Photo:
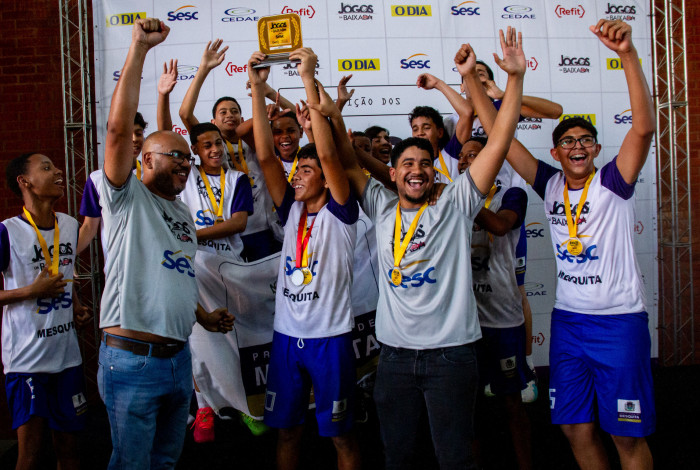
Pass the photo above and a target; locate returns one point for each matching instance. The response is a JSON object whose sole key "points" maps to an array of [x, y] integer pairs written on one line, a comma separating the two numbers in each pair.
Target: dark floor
{"points": [[675, 445]]}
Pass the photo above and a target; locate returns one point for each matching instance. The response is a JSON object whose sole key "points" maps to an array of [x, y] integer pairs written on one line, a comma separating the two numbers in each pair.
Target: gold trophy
{"points": [[278, 36]]}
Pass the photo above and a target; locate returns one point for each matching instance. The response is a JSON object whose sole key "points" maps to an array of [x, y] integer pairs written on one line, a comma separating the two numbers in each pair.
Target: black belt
{"points": [[142, 348]]}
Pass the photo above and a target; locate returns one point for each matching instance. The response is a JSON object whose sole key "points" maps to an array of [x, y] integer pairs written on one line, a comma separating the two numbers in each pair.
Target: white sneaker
{"points": [[529, 393]]}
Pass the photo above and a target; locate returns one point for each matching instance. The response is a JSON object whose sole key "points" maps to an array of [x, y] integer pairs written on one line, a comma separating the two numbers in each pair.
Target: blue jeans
{"points": [[147, 400], [445, 380]]}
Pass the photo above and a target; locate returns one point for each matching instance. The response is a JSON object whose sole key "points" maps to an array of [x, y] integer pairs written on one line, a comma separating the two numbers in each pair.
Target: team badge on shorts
{"points": [[270, 400], [79, 403], [629, 411]]}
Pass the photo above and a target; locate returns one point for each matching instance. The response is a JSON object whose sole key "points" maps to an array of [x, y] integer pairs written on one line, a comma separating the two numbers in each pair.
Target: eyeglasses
{"points": [[570, 142], [178, 157]]}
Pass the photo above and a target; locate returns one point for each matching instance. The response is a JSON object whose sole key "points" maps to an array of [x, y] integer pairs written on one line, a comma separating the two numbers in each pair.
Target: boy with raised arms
{"points": [[40, 353], [150, 299], [426, 318], [312, 342], [600, 344]]}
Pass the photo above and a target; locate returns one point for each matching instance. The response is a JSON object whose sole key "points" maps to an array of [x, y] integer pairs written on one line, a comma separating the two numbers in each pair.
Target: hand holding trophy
{"points": [[278, 36]]}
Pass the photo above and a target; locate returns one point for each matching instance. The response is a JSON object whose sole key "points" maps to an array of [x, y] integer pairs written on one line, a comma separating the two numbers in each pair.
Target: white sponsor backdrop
{"points": [[386, 45]]}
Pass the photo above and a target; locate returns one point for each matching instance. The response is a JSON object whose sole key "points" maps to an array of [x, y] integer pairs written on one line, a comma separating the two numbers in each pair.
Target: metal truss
{"points": [[76, 66], [676, 323]]}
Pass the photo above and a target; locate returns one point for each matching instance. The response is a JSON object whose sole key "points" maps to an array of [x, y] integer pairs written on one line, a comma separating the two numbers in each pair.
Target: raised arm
{"points": [[265, 149], [617, 36], [119, 160], [489, 161], [461, 106], [532, 107], [211, 58], [166, 84], [333, 171], [518, 156], [343, 94]]}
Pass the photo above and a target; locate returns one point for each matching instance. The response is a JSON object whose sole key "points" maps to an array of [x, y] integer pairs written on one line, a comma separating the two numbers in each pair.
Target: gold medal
{"points": [[574, 246], [308, 276], [396, 277]]}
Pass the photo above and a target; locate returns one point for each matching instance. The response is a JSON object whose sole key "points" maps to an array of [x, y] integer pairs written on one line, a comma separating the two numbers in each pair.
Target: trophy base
{"points": [[276, 59]]}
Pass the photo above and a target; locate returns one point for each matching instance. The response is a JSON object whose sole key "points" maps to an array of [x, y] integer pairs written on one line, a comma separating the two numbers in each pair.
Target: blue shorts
{"points": [[521, 256], [59, 398], [501, 358], [295, 365], [604, 359]]}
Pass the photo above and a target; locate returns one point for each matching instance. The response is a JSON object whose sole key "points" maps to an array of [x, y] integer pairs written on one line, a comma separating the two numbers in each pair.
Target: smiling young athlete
{"points": [[40, 353], [426, 319], [600, 345], [312, 343]]}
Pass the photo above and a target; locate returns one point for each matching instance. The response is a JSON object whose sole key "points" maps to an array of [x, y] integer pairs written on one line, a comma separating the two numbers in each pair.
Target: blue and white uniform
{"points": [[600, 339]]}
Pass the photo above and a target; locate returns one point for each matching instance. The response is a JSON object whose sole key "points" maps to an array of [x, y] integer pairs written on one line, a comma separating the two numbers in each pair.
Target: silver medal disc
{"points": [[297, 277]]}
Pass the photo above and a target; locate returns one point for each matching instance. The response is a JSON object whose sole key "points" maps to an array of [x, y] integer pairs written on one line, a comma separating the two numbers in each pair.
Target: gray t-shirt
{"points": [[434, 306], [150, 284]]}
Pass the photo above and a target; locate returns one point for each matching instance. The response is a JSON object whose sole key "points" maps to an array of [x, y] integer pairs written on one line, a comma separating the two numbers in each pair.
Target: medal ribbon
{"points": [[138, 170], [444, 170], [571, 223], [53, 270], [294, 166], [236, 155], [399, 245], [217, 208], [303, 236], [489, 197]]}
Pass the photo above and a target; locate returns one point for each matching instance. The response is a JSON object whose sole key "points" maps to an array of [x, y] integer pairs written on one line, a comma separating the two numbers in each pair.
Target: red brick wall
{"points": [[693, 57]]}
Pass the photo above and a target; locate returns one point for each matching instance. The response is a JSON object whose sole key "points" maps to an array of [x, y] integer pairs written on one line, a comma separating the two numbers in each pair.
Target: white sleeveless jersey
{"points": [[322, 308], [605, 278], [38, 335], [262, 202], [197, 199], [365, 291], [498, 298]]}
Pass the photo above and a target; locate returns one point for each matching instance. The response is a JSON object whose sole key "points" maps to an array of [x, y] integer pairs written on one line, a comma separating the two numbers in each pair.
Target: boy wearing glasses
{"points": [[600, 345]]}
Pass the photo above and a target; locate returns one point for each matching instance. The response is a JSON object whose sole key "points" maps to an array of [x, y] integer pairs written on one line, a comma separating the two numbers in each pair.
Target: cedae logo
{"points": [[125, 19], [518, 12], [411, 10], [469, 8], [362, 65], [416, 61], [588, 117], [177, 15], [239, 14]]}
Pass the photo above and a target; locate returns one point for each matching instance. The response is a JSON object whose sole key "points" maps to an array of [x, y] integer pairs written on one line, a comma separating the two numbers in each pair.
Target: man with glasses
{"points": [[600, 345], [150, 297]]}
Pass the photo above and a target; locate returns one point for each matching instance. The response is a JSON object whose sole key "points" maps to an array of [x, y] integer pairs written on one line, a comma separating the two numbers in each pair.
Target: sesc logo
{"points": [[177, 15], [416, 280], [615, 63], [625, 117], [534, 230], [462, 10], [186, 72], [125, 19], [411, 63], [577, 11], [518, 12], [411, 10], [182, 264], [49, 304], [239, 14], [358, 65], [588, 254], [588, 117]]}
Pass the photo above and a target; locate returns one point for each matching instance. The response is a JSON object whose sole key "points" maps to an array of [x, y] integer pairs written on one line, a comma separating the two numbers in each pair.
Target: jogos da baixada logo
{"points": [[358, 65], [468, 8], [416, 61], [411, 10], [518, 12], [574, 64], [349, 12], [621, 12], [239, 14], [181, 14], [125, 19]]}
